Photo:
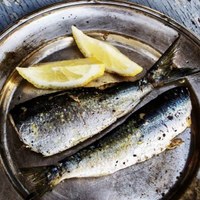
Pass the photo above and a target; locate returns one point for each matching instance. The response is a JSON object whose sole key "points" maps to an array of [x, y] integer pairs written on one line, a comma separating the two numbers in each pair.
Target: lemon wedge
{"points": [[114, 60], [63, 74]]}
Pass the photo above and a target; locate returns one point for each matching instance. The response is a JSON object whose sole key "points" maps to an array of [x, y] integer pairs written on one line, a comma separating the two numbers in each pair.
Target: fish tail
{"points": [[42, 179], [165, 71]]}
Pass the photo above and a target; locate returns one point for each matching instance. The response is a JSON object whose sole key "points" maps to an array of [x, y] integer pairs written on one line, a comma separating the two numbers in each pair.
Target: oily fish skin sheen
{"points": [[145, 133], [53, 123]]}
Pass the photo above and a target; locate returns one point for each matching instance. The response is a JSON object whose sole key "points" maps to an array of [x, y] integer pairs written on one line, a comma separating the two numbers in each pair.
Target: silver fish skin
{"points": [[145, 133], [56, 122]]}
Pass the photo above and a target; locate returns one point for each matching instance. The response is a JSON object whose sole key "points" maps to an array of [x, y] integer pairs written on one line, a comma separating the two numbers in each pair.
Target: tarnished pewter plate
{"points": [[140, 33]]}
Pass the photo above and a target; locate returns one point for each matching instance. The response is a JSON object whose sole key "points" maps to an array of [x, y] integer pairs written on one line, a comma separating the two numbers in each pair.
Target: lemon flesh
{"points": [[63, 74], [114, 60]]}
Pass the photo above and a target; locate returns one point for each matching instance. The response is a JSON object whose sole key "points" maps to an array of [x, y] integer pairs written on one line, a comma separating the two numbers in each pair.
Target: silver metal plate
{"points": [[138, 32]]}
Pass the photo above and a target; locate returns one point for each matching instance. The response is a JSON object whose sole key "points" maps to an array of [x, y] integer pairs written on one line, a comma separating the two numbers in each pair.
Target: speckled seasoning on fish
{"points": [[53, 123], [144, 134]]}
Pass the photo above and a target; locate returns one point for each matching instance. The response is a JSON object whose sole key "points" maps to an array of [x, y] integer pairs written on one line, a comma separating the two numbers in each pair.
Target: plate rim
{"points": [[53, 7], [130, 5]]}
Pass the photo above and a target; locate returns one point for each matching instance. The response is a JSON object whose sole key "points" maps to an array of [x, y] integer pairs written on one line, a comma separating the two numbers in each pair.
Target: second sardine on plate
{"points": [[147, 132], [53, 123]]}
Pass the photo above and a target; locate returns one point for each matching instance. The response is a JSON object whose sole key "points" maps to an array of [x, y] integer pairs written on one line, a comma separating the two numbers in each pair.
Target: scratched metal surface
{"points": [[113, 186], [186, 12]]}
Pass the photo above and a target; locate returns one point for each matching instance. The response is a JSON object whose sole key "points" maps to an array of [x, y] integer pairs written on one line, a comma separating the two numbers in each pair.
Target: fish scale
{"points": [[128, 144], [77, 115], [136, 140], [65, 122], [74, 116]]}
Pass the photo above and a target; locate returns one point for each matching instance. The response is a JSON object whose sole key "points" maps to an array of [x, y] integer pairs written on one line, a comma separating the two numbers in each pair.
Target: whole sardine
{"points": [[146, 133], [56, 122]]}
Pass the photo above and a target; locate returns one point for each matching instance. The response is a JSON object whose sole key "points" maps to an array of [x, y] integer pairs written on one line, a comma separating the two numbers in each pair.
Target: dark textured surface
{"points": [[186, 12]]}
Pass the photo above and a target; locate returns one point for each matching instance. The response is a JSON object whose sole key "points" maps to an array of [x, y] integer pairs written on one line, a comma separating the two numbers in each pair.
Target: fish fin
{"points": [[179, 73], [164, 71], [39, 180]]}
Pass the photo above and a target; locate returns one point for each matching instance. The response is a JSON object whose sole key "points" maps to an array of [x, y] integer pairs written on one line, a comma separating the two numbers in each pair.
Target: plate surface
{"points": [[138, 32]]}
